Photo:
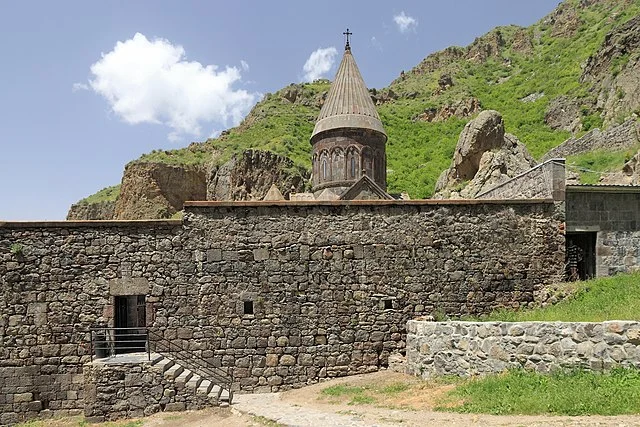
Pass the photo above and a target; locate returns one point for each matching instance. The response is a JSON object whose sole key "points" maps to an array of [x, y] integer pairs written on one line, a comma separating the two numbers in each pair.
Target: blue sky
{"points": [[88, 86]]}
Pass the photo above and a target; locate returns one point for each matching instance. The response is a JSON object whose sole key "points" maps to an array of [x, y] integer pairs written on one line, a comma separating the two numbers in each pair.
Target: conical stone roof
{"points": [[348, 104]]}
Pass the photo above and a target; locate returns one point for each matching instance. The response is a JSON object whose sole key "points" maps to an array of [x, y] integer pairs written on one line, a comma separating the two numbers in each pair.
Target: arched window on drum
{"points": [[353, 163], [337, 164], [367, 162]]}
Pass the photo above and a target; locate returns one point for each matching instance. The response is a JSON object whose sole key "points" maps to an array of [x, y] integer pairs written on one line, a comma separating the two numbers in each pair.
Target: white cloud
{"points": [[376, 43], [244, 65], [79, 86], [320, 62], [151, 82], [405, 22]]}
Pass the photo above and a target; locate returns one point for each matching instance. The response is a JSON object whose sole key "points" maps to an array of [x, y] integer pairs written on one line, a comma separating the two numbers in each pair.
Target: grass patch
{"points": [[591, 166], [564, 393], [108, 194], [596, 300], [266, 421]]}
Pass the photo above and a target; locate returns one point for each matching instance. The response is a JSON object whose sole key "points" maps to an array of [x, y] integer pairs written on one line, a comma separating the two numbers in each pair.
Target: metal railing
{"points": [[185, 357], [108, 342]]}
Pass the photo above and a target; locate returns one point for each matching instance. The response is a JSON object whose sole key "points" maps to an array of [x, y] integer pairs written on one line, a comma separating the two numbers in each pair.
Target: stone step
{"points": [[224, 395], [182, 379], [194, 382], [215, 392], [204, 388], [164, 364], [173, 372]]}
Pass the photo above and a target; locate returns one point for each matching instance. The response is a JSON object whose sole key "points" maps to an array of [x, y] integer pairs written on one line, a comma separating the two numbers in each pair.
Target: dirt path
{"points": [[308, 407]]}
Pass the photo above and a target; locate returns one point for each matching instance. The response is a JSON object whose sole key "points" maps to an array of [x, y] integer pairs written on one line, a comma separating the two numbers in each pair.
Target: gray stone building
{"points": [[273, 294]]}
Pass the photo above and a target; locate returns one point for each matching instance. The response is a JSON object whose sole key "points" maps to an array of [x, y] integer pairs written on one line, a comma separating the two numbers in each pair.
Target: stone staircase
{"points": [[184, 380]]}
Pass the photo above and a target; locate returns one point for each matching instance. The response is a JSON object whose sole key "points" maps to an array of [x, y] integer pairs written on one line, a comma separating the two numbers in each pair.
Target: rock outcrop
{"points": [[157, 190], [464, 108], [626, 135], [91, 211], [485, 156], [250, 175], [563, 113], [630, 174], [614, 72]]}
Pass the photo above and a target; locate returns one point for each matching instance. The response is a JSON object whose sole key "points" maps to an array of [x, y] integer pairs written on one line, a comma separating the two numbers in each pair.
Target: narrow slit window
{"points": [[248, 307]]}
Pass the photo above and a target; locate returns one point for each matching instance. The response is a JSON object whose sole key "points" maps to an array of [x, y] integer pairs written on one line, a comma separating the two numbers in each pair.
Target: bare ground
{"points": [[308, 406]]}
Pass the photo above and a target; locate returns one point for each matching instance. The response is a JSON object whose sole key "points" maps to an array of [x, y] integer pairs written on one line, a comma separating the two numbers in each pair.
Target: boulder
{"points": [[484, 157]]}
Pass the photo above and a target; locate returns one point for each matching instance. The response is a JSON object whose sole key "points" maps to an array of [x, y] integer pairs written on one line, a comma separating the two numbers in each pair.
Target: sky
{"points": [[87, 86]]}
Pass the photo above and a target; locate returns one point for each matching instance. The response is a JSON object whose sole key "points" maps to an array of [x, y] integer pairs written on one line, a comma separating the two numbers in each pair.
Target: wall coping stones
{"points": [[422, 202], [92, 223], [603, 188]]}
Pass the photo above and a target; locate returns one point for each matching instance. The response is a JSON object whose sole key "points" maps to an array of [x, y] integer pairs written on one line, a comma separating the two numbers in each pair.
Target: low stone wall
{"points": [[135, 389], [471, 348], [545, 181]]}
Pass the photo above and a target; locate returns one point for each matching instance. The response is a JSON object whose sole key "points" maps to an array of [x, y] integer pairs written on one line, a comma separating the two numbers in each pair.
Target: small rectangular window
{"points": [[248, 307], [388, 304]]}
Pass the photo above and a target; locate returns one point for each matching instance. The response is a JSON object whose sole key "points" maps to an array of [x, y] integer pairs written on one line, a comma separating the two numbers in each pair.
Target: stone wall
{"points": [[134, 389], [620, 137], [282, 293], [471, 348], [55, 283], [332, 285], [613, 213], [544, 181]]}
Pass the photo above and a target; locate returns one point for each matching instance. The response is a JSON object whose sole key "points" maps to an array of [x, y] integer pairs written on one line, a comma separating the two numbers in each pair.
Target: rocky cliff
{"points": [[157, 190], [89, 211], [249, 175], [574, 71], [485, 156]]}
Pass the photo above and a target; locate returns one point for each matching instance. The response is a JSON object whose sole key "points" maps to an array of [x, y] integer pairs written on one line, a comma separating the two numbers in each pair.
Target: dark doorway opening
{"points": [[581, 255], [130, 321]]}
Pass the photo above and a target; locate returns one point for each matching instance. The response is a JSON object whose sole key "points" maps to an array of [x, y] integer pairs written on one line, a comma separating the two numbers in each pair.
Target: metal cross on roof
{"points": [[347, 33]]}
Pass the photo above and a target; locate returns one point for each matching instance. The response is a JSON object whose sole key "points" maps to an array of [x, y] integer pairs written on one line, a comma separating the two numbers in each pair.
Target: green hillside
{"points": [[499, 69]]}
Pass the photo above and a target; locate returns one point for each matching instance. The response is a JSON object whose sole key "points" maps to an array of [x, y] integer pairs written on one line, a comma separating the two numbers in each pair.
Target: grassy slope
{"points": [[418, 152], [562, 393], [597, 300]]}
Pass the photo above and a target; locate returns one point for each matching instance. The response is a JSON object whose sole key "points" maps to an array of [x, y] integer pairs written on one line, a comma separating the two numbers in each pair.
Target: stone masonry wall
{"points": [[129, 390], [55, 282], [471, 348], [613, 213], [545, 181], [331, 285]]}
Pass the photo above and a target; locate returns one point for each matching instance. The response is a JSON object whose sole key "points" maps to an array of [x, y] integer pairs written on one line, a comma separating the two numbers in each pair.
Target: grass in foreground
{"points": [[596, 300], [368, 394], [529, 393]]}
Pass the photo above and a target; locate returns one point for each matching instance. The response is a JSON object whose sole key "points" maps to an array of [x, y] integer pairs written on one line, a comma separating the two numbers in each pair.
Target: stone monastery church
{"points": [[126, 318]]}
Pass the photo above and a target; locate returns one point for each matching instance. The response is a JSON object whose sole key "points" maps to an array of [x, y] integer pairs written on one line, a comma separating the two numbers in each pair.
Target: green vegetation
{"points": [[16, 249], [591, 166], [418, 151], [369, 394], [597, 300], [561, 393], [109, 194]]}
